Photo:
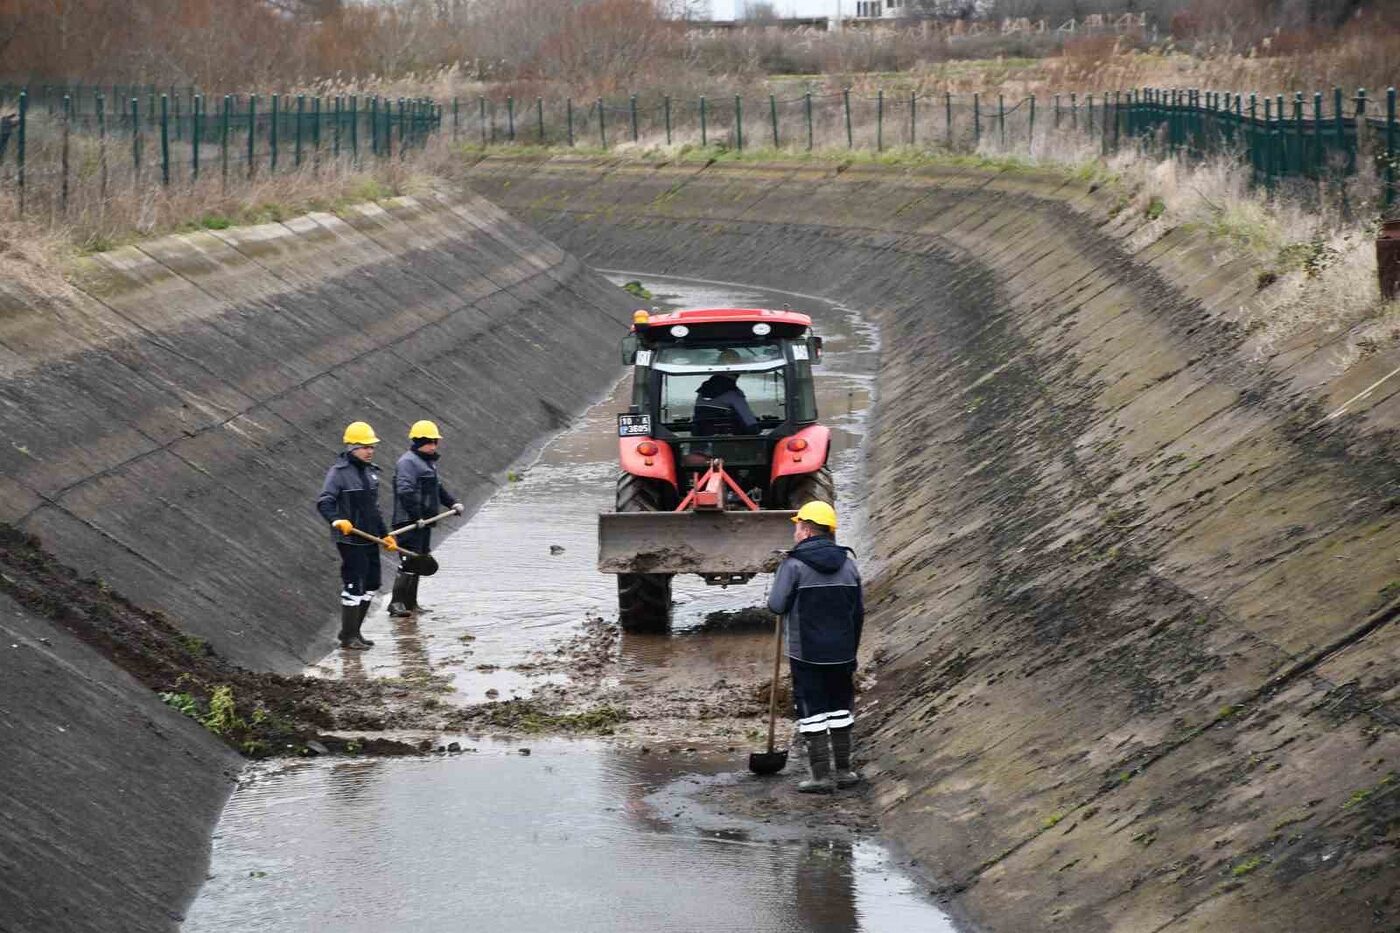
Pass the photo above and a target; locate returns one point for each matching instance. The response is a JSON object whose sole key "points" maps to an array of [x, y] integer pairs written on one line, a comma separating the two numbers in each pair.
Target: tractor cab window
{"points": [[698, 391]]}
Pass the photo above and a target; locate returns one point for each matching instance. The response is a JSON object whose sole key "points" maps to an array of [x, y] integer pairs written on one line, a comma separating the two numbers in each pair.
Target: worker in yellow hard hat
{"points": [[818, 592], [349, 500], [418, 495]]}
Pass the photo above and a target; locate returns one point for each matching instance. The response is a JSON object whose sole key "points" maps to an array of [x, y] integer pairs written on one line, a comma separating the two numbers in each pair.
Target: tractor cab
{"points": [[728, 384], [718, 447]]}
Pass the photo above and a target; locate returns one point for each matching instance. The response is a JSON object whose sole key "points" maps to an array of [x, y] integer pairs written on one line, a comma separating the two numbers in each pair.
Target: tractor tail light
{"points": [[648, 449], [797, 444]]}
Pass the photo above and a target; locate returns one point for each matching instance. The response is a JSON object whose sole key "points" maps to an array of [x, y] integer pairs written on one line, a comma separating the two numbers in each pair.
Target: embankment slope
{"points": [[1137, 568], [168, 412]]}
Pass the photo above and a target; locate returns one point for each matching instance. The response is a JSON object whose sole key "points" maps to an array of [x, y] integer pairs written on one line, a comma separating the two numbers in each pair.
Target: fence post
{"points": [[296, 130], [632, 115], [1390, 146], [164, 140], [175, 111], [67, 129], [135, 143], [850, 137], [739, 122], [510, 119], [976, 121], [704, 138], [880, 120], [539, 117], [569, 119], [252, 133], [102, 149], [602, 126], [1057, 111], [1030, 138], [1339, 120], [337, 124], [355, 129], [272, 134], [196, 111], [481, 118], [913, 123], [666, 103], [316, 118], [1091, 114], [1001, 118], [1271, 139], [807, 109], [948, 116], [1280, 139], [223, 142], [1360, 123], [1300, 157]]}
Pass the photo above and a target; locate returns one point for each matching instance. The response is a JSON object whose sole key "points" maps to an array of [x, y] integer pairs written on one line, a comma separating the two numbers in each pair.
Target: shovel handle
{"points": [[384, 544], [424, 524], [773, 690]]}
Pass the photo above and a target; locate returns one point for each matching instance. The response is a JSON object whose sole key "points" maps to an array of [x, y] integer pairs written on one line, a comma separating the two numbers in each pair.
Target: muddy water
{"points": [[575, 835]]}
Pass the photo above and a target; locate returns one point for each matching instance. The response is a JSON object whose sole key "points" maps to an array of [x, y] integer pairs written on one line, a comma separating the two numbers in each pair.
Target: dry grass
{"points": [[36, 246]]}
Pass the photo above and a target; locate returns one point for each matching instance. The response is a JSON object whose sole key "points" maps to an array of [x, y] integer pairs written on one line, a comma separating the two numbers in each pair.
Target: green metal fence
{"points": [[136, 135], [57, 136], [1316, 138]]}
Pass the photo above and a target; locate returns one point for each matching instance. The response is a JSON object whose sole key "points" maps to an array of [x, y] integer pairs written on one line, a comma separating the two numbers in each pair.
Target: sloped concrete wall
{"points": [[168, 420], [1136, 667]]}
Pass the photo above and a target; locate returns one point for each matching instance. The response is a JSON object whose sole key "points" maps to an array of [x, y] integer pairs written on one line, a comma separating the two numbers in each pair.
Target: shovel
{"points": [[771, 762], [414, 526], [422, 564]]}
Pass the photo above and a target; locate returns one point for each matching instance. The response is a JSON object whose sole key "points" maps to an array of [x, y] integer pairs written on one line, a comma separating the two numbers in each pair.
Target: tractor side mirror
{"points": [[630, 343], [815, 345]]}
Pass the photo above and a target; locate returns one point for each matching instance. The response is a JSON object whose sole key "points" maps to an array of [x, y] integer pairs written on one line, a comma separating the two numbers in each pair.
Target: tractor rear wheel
{"points": [[643, 599], [809, 487]]}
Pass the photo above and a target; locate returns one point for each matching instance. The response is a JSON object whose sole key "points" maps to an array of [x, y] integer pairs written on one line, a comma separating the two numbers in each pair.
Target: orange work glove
{"points": [[343, 526], [390, 544]]}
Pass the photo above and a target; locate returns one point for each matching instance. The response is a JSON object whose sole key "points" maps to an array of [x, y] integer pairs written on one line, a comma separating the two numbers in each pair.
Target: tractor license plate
{"points": [[634, 425]]}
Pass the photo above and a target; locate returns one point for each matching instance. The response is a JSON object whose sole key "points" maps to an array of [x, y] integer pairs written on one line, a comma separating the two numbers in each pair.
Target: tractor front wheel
{"points": [[643, 599], [811, 487]]}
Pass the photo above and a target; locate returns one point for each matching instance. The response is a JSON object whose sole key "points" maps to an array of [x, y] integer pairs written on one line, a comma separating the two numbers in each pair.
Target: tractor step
{"points": [[708, 543]]}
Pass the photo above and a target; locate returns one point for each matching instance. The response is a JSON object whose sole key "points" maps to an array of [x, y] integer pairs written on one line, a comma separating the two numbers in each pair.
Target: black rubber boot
{"points": [[845, 775], [359, 636], [401, 602], [819, 761], [413, 603], [349, 636]]}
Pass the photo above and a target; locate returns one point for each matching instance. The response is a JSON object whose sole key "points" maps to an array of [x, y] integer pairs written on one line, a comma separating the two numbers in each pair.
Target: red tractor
{"points": [[719, 447]]}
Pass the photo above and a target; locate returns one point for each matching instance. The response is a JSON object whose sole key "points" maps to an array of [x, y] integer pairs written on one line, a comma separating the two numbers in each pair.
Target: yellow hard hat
{"points": [[818, 513], [360, 434], [424, 429]]}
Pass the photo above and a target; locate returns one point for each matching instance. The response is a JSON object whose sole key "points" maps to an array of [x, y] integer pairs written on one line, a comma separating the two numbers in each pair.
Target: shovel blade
{"points": [[693, 542], [424, 565], [767, 762]]}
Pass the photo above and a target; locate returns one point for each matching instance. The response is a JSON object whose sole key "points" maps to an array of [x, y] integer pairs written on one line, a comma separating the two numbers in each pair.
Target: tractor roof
{"points": [[729, 316]]}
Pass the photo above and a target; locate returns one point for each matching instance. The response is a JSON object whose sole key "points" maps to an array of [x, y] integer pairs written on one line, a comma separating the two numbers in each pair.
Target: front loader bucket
{"points": [[693, 542]]}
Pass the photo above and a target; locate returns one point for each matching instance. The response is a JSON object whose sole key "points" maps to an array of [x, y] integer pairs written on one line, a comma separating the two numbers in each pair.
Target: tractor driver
{"points": [[720, 405]]}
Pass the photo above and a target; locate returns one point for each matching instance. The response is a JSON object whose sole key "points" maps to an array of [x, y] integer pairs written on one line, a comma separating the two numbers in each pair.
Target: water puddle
{"points": [[574, 835]]}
